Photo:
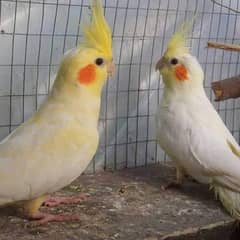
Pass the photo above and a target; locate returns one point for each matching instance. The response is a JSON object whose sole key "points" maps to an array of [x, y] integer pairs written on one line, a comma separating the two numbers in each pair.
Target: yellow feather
{"points": [[229, 199], [233, 149], [178, 42], [97, 33]]}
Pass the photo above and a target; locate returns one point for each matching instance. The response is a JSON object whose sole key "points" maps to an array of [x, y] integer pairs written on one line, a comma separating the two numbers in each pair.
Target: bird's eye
{"points": [[174, 61], [99, 61]]}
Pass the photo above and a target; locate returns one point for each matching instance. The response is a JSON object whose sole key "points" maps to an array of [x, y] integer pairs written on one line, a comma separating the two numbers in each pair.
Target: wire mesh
{"points": [[35, 34]]}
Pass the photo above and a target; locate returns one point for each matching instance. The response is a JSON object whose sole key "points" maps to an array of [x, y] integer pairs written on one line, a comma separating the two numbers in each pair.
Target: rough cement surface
{"points": [[127, 205]]}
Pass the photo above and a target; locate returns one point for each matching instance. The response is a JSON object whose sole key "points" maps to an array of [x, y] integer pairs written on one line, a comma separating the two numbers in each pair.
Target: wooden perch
{"points": [[227, 88], [224, 46]]}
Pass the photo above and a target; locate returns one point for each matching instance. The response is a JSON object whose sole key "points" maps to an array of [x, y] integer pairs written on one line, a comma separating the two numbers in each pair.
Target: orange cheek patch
{"points": [[87, 74], [181, 73]]}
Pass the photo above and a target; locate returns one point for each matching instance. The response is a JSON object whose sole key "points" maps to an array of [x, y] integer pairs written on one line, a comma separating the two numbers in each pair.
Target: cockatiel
{"points": [[191, 131], [57, 143]]}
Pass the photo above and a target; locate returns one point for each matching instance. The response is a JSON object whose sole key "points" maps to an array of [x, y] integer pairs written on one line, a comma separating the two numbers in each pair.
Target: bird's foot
{"points": [[58, 200], [173, 184], [41, 218]]}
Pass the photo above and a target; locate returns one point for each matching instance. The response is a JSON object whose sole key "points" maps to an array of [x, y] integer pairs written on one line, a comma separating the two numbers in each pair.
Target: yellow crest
{"points": [[97, 33], [178, 43]]}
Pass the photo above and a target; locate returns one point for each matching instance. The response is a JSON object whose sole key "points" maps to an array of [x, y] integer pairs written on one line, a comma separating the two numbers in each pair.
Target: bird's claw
{"points": [[58, 200], [41, 218]]}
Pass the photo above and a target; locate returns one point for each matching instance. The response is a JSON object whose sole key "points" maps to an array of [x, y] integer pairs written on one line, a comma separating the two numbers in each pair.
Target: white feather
{"points": [[190, 130]]}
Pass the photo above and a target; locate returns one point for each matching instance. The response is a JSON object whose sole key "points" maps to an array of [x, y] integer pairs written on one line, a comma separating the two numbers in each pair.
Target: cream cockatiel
{"points": [[189, 128], [58, 142]]}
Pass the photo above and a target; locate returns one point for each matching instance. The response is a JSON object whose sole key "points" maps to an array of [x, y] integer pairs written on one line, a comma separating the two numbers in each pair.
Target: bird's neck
{"points": [[182, 93]]}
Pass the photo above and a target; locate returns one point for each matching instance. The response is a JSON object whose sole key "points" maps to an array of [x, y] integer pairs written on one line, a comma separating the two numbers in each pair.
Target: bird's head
{"points": [[88, 65], [179, 69]]}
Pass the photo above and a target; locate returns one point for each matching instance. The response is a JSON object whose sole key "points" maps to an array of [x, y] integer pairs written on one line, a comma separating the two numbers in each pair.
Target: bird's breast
{"points": [[173, 126]]}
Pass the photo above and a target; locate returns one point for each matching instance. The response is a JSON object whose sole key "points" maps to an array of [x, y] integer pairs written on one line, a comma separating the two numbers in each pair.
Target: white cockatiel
{"points": [[190, 130], [58, 142]]}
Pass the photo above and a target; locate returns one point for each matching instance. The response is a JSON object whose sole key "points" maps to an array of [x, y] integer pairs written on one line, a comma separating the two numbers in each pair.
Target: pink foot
{"points": [[41, 218], [55, 201]]}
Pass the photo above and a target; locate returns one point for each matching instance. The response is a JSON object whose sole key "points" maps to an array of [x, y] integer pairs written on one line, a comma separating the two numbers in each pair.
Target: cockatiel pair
{"points": [[191, 131], [58, 142], [55, 146]]}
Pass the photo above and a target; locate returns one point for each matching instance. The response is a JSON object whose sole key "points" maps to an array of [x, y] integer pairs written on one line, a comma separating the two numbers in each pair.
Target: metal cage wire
{"points": [[34, 35]]}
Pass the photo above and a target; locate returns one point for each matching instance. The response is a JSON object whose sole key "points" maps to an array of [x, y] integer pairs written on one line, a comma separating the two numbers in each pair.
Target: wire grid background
{"points": [[35, 34]]}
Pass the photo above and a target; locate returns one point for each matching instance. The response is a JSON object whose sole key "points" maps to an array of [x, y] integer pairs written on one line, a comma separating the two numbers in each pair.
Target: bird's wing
{"points": [[42, 154], [16, 155], [217, 153]]}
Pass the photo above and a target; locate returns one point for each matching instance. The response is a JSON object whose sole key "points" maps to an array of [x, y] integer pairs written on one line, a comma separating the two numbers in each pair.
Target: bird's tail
{"points": [[230, 200]]}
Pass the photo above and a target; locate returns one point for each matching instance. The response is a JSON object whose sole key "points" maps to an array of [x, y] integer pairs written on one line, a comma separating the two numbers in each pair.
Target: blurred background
{"points": [[34, 34]]}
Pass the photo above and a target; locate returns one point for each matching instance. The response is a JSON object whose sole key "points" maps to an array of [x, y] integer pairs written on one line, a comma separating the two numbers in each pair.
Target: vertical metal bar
{"points": [[225, 39], [39, 51], [25, 59], [237, 64], [12, 59], [218, 31], [149, 92], [129, 77], [106, 105], [236, 71], [200, 35], [1, 12], [139, 83], [66, 27], [207, 53], [79, 22], [52, 43], [117, 87]]}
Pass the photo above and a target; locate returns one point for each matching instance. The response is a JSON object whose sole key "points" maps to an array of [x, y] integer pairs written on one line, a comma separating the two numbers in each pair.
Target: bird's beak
{"points": [[160, 64], [110, 69]]}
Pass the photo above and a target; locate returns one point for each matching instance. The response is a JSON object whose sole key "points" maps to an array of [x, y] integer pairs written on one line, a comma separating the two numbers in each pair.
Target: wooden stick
{"points": [[227, 88], [224, 46]]}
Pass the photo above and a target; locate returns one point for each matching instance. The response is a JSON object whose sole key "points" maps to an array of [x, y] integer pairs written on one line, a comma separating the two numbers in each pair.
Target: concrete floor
{"points": [[130, 205]]}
